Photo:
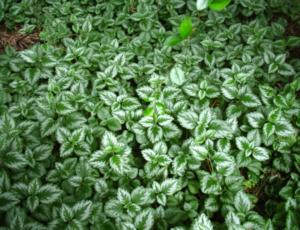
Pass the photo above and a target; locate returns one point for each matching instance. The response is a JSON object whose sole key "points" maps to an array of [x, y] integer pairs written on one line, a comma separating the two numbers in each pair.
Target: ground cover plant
{"points": [[150, 114]]}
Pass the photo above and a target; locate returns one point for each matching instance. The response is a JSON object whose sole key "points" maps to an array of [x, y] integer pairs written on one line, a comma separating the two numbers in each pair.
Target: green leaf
{"points": [[210, 184], [250, 100], [82, 210], [255, 119], [7, 201], [225, 163], [218, 5], [202, 223], [144, 220], [268, 130], [116, 163], [260, 154], [173, 40], [14, 160], [155, 133], [113, 124], [164, 119], [188, 119], [66, 213], [242, 143], [169, 186], [185, 28], [32, 75], [199, 152], [242, 203], [177, 76], [48, 194], [32, 203], [29, 56]]}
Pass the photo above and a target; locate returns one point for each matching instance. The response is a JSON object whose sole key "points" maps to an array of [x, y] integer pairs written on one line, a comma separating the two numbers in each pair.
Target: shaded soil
{"points": [[293, 29], [17, 40]]}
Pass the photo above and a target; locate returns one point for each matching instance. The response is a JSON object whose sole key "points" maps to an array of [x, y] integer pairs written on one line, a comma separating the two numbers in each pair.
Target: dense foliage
{"points": [[105, 126]]}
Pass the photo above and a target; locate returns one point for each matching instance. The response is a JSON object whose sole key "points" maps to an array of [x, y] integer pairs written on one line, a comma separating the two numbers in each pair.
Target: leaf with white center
{"points": [[8, 200], [29, 56], [242, 202], [117, 164], [82, 210], [130, 104], [275, 115], [169, 186], [211, 204], [171, 131], [225, 163], [13, 160], [229, 91], [177, 76], [242, 143], [123, 195], [48, 194], [64, 108], [232, 218], [286, 70], [140, 196], [48, 127], [284, 128], [66, 149], [62, 135], [147, 122], [260, 154], [199, 152], [145, 92], [250, 100], [255, 119], [273, 67], [179, 165], [155, 133], [164, 119], [268, 130], [188, 119], [66, 213], [108, 97], [220, 128], [109, 139], [32, 75], [223, 145], [148, 154], [32, 203], [254, 137], [34, 186], [205, 117], [202, 4], [113, 208], [202, 223], [144, 220], [210, 184], [78, 135]]}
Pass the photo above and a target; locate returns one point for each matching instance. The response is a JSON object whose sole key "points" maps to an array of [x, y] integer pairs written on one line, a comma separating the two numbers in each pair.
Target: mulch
{"points": [[17, 40]]}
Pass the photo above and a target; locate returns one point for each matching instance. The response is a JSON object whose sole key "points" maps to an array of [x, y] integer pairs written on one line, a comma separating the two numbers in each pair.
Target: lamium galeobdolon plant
{"points": [[105, 126]]}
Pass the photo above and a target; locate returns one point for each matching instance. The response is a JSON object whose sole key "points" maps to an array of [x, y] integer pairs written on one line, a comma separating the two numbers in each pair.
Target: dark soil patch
{"points": [[16, 39]]}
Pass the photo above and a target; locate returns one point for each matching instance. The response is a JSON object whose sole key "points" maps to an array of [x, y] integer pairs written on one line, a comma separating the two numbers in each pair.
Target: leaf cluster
{"points": [[104, 126]]}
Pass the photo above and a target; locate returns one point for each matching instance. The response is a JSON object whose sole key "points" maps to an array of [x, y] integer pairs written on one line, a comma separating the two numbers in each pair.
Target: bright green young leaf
{"points": [[218, 5], [185, 28]]}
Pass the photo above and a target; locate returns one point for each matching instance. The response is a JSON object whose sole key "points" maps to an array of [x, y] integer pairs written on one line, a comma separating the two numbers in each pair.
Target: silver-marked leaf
{"points": [[177, 76], [202, 223]]}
